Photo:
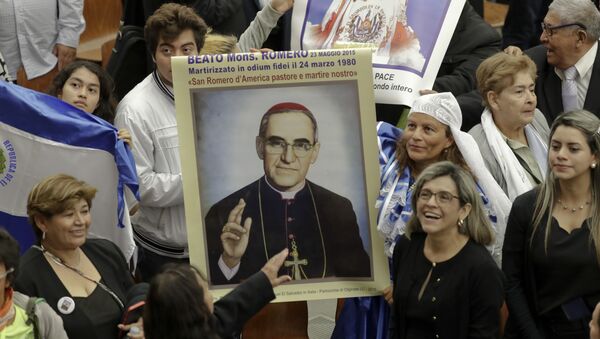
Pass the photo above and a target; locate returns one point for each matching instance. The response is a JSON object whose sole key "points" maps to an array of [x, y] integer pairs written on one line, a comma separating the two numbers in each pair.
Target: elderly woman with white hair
{"points": [[432, 134]]}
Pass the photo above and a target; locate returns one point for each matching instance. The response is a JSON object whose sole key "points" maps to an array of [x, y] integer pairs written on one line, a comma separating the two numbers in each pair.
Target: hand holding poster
{"points": [[273, 158], [408, 38]]}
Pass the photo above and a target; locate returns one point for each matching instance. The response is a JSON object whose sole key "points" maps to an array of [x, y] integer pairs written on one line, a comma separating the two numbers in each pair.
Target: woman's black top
{"points": [[462, 299], [569, 269]]}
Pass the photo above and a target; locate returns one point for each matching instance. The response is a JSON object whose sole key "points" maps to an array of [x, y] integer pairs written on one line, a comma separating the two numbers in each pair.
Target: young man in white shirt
{"points": [[148, 112]]}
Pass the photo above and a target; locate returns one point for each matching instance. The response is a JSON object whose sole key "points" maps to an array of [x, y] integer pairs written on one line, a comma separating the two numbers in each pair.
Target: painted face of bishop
{"points": [[288, 148]]}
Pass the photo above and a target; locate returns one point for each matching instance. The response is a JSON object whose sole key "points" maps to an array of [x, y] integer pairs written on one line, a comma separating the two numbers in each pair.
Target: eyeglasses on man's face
{"points": [[442, 197], [550, 30], [7, 272], [301, 148]]}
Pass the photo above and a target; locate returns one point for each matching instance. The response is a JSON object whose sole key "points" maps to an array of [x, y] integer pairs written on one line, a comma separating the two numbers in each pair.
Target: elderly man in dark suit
{"points": [[568, 60], [283, 209]]}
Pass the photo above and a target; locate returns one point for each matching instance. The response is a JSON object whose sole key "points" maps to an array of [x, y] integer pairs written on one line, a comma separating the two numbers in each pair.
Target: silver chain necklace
{"points": [[61, 262]]}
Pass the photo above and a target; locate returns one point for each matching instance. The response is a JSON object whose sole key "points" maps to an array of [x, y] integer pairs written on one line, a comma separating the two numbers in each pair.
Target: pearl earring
{"points": [[461, 226]]}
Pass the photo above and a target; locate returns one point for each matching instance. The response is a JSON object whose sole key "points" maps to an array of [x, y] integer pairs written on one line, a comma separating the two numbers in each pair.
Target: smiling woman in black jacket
{"points": [[446, 283]]}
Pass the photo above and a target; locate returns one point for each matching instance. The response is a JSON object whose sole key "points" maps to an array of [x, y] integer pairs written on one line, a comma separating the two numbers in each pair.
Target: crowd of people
{"points": [[479, 212]]}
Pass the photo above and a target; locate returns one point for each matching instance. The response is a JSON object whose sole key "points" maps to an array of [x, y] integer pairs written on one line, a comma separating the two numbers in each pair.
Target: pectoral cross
{"points": [[297, 271]]}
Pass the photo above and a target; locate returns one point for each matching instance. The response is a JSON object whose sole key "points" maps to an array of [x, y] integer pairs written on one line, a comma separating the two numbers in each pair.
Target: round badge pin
{"points": [[66, 305]]}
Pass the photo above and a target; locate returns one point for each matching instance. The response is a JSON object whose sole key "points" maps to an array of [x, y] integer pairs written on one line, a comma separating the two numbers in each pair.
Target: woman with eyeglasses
{"points": [[446, 283], [432, 134], [22, 317], [84, 280], [551, 261]]}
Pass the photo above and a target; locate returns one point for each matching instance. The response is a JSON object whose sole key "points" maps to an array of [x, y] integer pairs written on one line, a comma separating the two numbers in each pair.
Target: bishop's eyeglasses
{"points": [[549, 30], [442, 197], [301, 148]]}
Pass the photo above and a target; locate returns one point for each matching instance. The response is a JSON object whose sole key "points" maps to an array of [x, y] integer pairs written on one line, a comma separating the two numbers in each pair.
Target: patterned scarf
{"points": [[394, 204]]}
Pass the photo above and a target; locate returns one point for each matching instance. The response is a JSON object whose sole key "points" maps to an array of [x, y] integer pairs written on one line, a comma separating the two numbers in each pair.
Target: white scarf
{"points": [[515, 175]]}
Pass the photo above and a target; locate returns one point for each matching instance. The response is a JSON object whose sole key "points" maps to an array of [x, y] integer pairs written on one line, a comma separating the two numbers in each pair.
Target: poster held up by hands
{"points": [[278, 150]]}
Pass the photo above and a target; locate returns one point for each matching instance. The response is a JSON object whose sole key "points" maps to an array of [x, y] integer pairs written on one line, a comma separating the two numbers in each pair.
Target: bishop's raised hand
{"points": [[234, 235]]}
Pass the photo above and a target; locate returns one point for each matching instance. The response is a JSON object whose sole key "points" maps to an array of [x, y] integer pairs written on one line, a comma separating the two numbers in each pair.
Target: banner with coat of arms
{"points": [[408, 38]]}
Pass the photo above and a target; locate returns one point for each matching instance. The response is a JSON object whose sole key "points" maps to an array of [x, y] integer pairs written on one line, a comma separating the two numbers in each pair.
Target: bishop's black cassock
{"points": [[321, 224]]}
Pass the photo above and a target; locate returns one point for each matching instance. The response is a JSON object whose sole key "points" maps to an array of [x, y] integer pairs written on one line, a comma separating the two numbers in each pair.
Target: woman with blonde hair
{"points": [[551, 261]]}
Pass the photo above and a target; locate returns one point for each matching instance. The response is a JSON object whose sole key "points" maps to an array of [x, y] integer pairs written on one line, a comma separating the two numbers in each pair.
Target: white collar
{"points": [[583, 65], [286, 195]]}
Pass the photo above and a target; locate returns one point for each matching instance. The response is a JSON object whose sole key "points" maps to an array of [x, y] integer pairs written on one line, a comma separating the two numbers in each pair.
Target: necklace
{"points": [[61, 262], [572, 209]]}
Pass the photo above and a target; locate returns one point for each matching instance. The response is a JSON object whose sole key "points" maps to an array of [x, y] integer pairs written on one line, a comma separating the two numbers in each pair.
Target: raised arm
{"points": [[233, 310]]}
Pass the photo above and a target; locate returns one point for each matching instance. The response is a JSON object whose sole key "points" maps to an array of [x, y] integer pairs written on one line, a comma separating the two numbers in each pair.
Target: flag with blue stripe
{"points": [[41, 135]]}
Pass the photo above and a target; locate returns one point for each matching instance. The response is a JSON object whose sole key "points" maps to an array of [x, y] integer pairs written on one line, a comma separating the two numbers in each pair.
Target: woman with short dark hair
{"points": [[179, 304], [176, 305]]}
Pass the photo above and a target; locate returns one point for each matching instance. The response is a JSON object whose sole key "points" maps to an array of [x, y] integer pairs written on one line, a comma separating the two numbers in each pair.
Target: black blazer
{"points": [[548, 86]]}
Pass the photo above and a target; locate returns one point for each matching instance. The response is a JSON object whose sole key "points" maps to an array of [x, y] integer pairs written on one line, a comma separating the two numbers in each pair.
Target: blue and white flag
{"points": [[41, 135]]}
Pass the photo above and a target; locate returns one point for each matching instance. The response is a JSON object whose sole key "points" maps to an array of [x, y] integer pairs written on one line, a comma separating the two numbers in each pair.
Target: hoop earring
{"points": [[43, 235]]}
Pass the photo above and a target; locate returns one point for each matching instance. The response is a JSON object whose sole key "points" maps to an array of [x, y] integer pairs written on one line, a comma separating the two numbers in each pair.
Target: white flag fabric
{"points": [[40, 136]]}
